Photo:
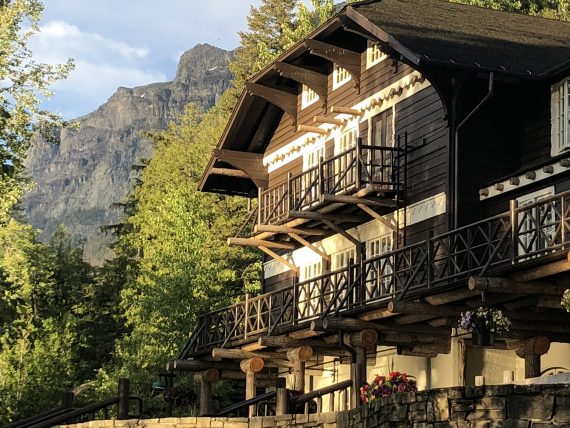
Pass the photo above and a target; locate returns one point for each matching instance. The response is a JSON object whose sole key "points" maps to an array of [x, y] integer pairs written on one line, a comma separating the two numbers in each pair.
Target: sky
{"points": [[127, 42]]}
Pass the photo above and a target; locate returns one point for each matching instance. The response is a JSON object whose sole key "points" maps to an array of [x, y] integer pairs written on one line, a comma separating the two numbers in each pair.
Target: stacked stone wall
{"points": [[517, 406]]}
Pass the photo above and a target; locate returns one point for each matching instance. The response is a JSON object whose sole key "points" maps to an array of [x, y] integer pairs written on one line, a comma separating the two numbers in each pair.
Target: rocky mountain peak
{"points": [[79, 180]]}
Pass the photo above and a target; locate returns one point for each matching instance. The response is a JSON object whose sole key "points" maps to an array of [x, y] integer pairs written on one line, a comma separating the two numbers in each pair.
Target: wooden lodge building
{"points": [[410, 161]]}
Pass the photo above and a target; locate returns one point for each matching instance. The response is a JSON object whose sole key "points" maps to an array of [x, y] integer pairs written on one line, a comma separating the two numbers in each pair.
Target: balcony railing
{"points": [[497, 243], [342, 174]]}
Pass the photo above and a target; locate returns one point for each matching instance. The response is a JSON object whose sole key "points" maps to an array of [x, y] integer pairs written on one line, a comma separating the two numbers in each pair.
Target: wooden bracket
{"points": [[314, 129], [378, 217], [280, 259], [250, 163], [271, 228], [286, 101], [509, 286], [344, 233], [310, 246], [347, 59], [312, 79]]}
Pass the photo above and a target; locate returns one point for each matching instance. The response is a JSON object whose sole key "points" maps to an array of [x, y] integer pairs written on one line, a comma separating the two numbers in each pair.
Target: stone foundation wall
{"points": [[520, 406], [512, 406], [321, 420]]}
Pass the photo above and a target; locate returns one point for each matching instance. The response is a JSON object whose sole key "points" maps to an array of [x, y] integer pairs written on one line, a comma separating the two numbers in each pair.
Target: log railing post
{"points": [[514, 228], [358, 156], [288, 200], [205, 380], [260, 207], [430, 259], [531, 349], [281, 399], [123, 394], [563, 230], [169, 387], [298, 357], [250, 367], [246, 315], [321, 178], [361, 342]]}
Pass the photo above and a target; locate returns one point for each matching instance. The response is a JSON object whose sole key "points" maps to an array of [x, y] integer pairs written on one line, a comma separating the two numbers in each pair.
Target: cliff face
{"points": [[79, 180]]}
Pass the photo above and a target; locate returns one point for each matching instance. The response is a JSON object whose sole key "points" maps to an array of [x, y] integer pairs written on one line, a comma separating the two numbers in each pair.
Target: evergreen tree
{"points": [[557, 9], [23, 80]]}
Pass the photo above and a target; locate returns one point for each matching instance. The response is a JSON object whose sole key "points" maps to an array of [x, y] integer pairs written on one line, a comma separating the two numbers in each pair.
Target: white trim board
{"points": [[540, 174]]}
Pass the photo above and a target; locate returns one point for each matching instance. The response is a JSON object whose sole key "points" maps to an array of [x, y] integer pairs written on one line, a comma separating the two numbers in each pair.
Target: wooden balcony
{"points": [[365, 169], [435, 270]]}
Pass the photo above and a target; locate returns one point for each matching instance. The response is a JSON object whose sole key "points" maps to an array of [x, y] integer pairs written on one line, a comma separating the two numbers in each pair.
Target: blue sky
{"points": [[128, 42]]}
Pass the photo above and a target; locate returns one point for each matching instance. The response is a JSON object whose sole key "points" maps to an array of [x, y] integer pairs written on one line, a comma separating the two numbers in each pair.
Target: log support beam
{"points": [[271, 228], [509, 286], [531, 350], [251, 367], [347, 59], [354, 200], [298, 357], [251, 242], [310, 246], [205, 379], [378, 217], [280, 259]]}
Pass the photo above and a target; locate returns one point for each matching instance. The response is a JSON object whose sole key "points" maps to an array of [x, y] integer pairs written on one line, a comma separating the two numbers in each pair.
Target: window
{"points": [[344, 175], [379, 275], [308, 97], [310, 180], [342, 259], [340, 76], [311, 270], [374, 55], [309, 294], [536, 224], [560, 117], [378, 160]]}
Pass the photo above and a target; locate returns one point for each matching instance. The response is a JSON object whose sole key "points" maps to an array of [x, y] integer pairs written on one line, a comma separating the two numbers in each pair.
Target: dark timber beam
{"points": [[509, 286], [250, 163], [347, 59], [377, 216], [237, 173], [543, 271], [314, 80], [286, 101]]}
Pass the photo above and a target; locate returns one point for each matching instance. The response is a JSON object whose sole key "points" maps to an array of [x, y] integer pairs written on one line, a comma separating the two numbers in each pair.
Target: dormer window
{"points": [[340, 76], [560, 117], [374, 55], [308, 97]]}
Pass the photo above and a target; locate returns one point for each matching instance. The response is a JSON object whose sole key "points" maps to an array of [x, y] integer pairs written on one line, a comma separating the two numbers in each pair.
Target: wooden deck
{"points": [[435, 270]]}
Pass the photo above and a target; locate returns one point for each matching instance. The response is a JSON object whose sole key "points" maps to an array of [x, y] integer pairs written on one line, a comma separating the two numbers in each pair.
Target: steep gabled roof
{"points": [[452, 33], [430, 34]]}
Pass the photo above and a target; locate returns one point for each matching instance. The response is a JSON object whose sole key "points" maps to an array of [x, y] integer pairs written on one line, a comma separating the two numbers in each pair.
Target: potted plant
{"points": [[383, 386], [483, 323]]}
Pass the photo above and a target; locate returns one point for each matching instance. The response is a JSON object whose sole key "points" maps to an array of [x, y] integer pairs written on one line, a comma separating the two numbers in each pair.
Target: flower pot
{"points": [[482, 337]]}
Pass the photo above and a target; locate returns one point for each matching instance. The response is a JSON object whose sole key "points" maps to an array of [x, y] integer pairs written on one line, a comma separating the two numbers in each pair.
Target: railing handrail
{"points": [[502, 248], [303, 398], [246, 403]]}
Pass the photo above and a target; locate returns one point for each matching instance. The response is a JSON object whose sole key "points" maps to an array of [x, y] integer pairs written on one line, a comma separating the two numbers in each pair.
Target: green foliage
{"points": [[557, 9], [23, 83], [183, 264], [566, 300]]}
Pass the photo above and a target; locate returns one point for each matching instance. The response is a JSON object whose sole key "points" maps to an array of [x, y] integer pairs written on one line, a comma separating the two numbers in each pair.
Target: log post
{"points": [[361, 341], [67, 399], [123, 394], [205, 380], [298, 357], [281, 399], [531, 349], [250, 367]]}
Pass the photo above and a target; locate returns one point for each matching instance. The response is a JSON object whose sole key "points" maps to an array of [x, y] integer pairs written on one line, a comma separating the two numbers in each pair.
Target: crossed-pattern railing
{"points": [[344, 173], [499, 242]]}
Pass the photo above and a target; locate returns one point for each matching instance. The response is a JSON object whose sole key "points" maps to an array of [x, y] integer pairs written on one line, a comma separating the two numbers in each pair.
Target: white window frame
{"points": [[308, 97], [528, 199], [340, 260], [375, 247], [340, 76], [560, 117], [374, 54]]}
